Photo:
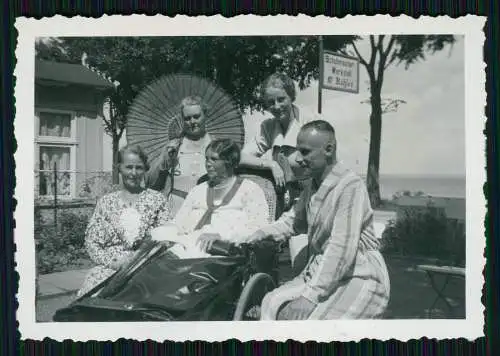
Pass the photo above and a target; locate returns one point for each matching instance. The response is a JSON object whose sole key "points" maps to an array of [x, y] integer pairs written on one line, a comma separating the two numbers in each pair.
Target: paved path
{"points": [[56, 290], [60, 283]]}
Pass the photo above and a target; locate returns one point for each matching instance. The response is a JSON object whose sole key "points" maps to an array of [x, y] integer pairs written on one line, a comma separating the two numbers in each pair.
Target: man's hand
{"points": [[205, 240], [297, 309], [278, 174]]}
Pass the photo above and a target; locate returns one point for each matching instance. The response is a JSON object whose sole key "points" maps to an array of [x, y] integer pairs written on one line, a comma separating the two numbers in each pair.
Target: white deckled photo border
{"points": [[322, 331]]}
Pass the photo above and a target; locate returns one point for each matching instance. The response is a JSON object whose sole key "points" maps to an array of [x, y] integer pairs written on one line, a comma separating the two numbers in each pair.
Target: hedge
{"points": [[61, 247], [426, 232]]}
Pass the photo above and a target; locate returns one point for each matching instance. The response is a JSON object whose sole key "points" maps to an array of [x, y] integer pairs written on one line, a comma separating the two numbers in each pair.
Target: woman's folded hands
{"points": [[118, 262]]}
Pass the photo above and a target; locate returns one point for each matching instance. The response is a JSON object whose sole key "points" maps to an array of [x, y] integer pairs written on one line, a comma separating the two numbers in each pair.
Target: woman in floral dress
{"points": [[123, 219]]}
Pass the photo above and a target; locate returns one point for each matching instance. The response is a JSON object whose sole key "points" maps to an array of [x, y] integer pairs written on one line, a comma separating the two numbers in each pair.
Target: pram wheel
{"points": [[248, 306]]}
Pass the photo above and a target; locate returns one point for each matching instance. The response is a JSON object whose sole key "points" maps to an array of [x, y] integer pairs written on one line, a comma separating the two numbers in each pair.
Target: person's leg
{"points": [[357, 299], [274, 300], [280, 315]]}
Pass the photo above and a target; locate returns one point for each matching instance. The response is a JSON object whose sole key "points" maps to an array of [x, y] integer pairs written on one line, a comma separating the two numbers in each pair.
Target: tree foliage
{"points": [[384, 52], [52, 49], [236, 64], [239, 65]]}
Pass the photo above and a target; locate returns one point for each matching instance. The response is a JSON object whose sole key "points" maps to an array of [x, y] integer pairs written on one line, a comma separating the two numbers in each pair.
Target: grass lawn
{"points": [[411, 292]]}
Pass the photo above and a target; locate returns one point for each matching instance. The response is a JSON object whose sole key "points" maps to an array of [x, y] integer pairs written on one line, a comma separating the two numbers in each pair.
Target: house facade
{"points": [[71, 145]]}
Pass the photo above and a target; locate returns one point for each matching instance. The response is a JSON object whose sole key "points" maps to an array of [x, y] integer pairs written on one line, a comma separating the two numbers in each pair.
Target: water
{"points": [[438, 186]]}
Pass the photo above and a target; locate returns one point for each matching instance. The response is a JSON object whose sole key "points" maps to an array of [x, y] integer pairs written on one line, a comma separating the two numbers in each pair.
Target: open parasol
{"points": [[154, 117]]}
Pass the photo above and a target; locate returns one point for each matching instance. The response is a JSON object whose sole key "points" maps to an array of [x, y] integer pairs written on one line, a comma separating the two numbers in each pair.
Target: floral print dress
{"points": [[116, 230]]}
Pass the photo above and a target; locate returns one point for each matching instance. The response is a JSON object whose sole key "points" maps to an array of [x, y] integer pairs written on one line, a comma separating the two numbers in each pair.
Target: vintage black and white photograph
{"points": [[268, 177]]}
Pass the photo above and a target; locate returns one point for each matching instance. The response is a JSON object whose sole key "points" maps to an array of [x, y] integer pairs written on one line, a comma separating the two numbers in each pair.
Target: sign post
{"points": [[336, 72], [320, 82]]}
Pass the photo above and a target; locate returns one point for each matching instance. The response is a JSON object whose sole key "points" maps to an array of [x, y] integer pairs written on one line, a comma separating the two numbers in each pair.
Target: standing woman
{"points": [[185, 154], [273, 147], [122, 220]]}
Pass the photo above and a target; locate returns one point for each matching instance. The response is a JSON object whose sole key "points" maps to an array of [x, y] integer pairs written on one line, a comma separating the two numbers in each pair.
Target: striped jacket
{"points": [[338, 219]]}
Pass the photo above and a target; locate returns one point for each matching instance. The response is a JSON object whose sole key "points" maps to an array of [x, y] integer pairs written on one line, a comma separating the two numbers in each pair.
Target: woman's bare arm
{"points": [[252, 161]]}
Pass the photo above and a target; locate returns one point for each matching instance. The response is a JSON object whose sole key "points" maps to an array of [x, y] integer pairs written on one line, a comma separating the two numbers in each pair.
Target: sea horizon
{"points": [[437, 185]]}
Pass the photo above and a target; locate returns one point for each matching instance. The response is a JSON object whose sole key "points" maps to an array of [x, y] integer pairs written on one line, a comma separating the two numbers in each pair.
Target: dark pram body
{"points": [[157, 286]]}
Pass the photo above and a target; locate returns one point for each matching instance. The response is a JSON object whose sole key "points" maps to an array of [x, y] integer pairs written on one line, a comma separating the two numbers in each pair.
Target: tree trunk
{"points": [[372, 173], [116, 173]]}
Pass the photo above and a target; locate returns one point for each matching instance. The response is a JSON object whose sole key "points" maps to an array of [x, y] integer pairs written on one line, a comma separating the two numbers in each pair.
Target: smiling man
{"points": [[186, 153], [346, 276]]}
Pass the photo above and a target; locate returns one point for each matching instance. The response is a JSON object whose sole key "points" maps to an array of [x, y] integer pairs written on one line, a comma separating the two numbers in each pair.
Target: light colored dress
{"points": [[271, 142], [191, 167], [271, 134], [346, 276], [244, 214], [116, 230]]}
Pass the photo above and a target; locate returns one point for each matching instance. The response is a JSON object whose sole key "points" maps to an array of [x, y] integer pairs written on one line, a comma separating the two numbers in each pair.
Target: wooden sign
{"points": [[340, 72]]}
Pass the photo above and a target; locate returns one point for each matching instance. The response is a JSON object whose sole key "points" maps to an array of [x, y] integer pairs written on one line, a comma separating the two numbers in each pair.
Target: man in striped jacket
{"points": [[346, 276]]}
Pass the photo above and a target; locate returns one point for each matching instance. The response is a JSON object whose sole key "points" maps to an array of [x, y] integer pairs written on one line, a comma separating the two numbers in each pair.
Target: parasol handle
{"points": [[173, 154]]}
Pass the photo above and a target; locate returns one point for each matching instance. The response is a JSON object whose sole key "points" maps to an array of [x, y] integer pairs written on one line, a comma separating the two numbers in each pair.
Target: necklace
{"points": [[225, 184], [129, 199]]}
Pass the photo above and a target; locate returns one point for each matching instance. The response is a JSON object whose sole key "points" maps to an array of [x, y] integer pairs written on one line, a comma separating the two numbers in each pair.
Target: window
{"points": [[55, 152], [54, 124]]}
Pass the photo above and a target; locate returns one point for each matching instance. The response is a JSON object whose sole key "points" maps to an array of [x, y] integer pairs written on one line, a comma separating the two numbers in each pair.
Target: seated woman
{"points": [[226, 207], [123, 219]]}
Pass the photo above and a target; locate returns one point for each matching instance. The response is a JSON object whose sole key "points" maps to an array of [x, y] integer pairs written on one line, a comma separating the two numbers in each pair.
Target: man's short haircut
{"points": [[193, 100], [321, 126]]}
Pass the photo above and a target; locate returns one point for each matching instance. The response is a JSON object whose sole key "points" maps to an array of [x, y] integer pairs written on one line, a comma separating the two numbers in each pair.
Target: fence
{"points": [[69, 191], [64, 201]]}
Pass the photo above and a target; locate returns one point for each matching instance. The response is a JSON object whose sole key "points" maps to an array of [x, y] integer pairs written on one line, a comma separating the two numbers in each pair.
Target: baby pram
{"points": [[157, 286]]}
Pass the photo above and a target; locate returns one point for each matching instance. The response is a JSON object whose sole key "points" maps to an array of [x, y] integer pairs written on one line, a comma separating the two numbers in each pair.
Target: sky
{"points": [[425, 137]]}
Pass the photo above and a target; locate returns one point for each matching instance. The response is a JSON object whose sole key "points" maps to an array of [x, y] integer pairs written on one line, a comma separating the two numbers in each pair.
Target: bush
{"points": [[408, 193], [97, 186], [63, 247], [428, 233]]}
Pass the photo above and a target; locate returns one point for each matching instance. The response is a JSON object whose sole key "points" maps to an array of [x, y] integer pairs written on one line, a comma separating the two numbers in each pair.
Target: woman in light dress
{"points": [[226, 207], [273, 147], [276, 138], [122, 220], [182, 161]]}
